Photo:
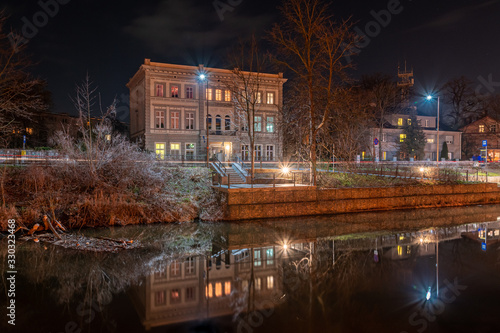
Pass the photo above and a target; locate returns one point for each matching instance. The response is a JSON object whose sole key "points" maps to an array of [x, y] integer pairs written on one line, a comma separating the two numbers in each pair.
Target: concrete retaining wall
{"points": [[247, 203]]}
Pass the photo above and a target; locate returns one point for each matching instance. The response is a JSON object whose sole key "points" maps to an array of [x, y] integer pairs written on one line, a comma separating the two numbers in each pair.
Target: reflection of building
{"points": [[170, 107], [196, 288]]}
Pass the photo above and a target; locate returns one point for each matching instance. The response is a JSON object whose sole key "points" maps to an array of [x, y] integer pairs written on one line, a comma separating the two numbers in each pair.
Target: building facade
{"points": [[179, 111], [486, 128], [393, 134]]}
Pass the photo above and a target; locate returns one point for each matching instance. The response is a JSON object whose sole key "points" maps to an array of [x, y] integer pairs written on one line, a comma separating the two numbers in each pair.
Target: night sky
{"points": [[110, 39]]}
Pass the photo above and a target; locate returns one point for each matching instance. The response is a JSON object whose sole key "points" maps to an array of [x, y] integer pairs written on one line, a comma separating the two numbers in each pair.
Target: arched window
{"points": [[209, 120], [227, 123], [218, 123]]}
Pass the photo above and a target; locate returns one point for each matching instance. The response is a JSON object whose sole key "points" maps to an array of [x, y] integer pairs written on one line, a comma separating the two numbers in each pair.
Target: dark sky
{"points": [[109, 39]]}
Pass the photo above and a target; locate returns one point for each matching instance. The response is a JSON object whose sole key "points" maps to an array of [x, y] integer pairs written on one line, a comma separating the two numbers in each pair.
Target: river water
{"points": [[429, 270]]}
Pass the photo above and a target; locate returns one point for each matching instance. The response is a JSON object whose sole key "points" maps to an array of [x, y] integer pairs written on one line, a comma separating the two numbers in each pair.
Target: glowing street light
{"points": [[429, 97], [203, 78]]}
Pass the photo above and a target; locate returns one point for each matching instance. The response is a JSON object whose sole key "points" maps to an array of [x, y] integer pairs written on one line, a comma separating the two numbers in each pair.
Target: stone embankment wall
{"points": [[248, 203]]}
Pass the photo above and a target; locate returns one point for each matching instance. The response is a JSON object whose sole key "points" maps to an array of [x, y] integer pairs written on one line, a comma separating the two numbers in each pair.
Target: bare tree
{"points": [[383, 94], [312, 46], [465, 106], [20, 94]]}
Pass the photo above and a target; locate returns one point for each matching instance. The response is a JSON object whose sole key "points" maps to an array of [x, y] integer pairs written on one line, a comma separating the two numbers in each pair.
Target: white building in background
{"points": [[393, 134], [170, 107]]}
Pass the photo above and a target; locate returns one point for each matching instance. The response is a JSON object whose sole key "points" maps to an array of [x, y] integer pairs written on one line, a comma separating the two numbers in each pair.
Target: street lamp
{"points": [[429, 97], [203, 78]]}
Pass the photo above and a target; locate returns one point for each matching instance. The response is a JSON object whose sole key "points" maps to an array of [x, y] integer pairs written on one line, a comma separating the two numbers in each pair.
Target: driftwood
{"points": [[46, 220]]}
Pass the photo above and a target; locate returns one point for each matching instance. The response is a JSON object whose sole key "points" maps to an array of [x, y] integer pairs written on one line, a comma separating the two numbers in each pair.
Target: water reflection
{"points": [[350, 273]]}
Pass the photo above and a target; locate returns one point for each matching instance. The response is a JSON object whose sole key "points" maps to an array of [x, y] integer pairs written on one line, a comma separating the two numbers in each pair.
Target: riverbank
{"points": [[251, 203]]}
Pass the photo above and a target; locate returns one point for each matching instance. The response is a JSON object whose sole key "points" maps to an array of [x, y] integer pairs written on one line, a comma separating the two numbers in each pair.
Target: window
{"points": [[227, 96], [400, 121], [159, 90], [175, 296], [270, 124], [29, 130], [384, 137], [209, 122], [190, 294], [190, 151], [402, 137], [408, 121], [227, 288], [430, 140], [245, 154], [270, 98], [174, 119], [257, 124], [270, 282], [270, 152], [270, 257], [189, 92], [160, 298], [190, 264], [258, 152], [258, 97], [257, 258], [174, 90], [384, 155], [209, 94], [227, 123], [218, 95], [218, 123], [209, 293], [493, 128], [175, 149], [175, 269], [449, 139], [189, 120], [160, 151], [426, 123], [159, 119], [258, 283], [481, 128], [218, 289]]}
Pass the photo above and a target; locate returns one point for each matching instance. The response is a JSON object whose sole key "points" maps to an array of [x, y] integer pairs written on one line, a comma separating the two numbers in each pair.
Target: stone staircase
{"points": [[234, 176]]}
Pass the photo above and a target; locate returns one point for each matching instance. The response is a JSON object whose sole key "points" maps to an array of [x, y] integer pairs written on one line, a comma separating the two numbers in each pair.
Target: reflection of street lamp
{"points": [[204, 78], [429, 97]]}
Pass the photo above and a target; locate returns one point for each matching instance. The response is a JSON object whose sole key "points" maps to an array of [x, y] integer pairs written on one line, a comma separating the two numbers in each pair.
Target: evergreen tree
{"points": [[413, 141], [444, 151]]}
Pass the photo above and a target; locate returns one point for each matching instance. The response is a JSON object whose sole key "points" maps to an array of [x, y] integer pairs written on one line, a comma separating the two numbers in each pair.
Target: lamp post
{"points": [[204, 78], [429, 97]]}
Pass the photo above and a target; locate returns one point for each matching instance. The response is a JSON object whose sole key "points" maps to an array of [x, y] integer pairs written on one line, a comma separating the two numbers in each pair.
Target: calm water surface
{"points": [[407, 271]]}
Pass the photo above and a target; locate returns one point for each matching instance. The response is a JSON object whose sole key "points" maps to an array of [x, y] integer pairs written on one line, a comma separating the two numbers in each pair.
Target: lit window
{"points": [[270, 124], [227, 96], [209, 291], [257, 124], [29, 130], [175, 91], [400, 121], [481, 128], [189, 92], [160, 151], [209, 94], [430, 140], [402, 137], [218, 289], [218, 95], [258, 99], [227, 288], [270, 257], [175, 149], [400, 250], [408, 121], [270, 98], [175, 296], [384, 155], [270, 282]]}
